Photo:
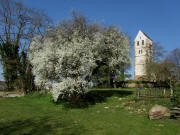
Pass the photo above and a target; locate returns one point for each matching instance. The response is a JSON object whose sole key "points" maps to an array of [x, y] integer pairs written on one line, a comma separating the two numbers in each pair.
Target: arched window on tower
{"points": [[142, 42], [137, 43]]}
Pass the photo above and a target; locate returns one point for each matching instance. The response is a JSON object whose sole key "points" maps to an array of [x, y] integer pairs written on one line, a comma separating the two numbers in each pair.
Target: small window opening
{"points": [[137, 42], [142, 42]]}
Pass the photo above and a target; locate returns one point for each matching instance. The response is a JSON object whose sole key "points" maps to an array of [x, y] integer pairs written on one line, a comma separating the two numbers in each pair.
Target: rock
{"points": [[15, 95], [161, 125], [128, 108], [106, 107], [138, 111], [98, 111], [158, 112], [11, 94]]}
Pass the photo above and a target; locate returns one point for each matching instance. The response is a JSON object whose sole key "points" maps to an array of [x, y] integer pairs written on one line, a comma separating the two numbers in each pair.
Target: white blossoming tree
{"points": [[69, 54], [112, 55]]}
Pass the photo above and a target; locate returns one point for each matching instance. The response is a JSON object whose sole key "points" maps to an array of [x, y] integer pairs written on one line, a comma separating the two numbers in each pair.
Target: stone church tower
{"points": [[143, 51]]}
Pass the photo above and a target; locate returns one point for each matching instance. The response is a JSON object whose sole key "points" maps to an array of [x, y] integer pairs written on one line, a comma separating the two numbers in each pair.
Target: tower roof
{"points": [[144, 34]]}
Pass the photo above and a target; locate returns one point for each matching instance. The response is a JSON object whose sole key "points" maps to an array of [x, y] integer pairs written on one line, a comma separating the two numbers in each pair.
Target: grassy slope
{"points": [[35, 114]]}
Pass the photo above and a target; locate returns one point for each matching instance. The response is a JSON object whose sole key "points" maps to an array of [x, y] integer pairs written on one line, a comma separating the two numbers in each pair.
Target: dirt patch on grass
{"points": [[11, 94]]}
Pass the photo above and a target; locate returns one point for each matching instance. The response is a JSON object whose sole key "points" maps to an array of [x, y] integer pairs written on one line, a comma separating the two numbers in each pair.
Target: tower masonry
{"points": [[143, 51]]}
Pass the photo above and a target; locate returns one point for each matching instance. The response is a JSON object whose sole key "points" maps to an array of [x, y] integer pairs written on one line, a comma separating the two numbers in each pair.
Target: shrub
{"points": [[70, 90], [176, 97]]}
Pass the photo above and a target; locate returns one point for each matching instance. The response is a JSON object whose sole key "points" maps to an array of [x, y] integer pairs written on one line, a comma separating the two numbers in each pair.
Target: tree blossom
{"points": [[64, 63], [69, 87], [69, 54]]}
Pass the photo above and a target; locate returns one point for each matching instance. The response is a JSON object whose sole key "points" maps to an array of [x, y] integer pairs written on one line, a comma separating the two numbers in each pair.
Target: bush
{"points": [[176, 97], [71, 90]]}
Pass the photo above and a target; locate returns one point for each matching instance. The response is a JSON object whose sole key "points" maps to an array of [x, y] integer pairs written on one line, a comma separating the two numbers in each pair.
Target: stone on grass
{"points": [[144, 109], [11, 94], [128, 108], [158, 112], [120, 99], [98, 111]]}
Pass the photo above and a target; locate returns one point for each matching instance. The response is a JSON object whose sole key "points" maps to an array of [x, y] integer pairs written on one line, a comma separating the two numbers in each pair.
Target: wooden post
{"points": [[137, 93], [164, 92], [171, 92]]}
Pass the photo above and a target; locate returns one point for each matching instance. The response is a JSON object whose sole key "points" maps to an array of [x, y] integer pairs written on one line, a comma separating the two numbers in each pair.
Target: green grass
{"points": [[115, 113]]}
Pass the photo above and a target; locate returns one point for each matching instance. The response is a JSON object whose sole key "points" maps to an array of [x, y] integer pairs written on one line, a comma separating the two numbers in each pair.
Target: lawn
{"points": [[117, 113]]}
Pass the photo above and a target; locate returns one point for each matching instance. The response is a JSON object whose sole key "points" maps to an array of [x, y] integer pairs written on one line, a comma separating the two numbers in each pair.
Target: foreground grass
{"points": [[115, 114]]}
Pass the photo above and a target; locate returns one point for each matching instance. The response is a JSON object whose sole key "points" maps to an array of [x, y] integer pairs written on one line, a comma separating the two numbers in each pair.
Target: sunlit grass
{"points": [[36, 114]]}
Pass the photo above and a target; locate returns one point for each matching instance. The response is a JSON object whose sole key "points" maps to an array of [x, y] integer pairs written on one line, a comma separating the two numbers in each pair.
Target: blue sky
{"points": [[160, 19]]}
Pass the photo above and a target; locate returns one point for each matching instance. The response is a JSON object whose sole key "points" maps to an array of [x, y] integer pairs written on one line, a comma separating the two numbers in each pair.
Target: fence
{"points": [[154, 92]]}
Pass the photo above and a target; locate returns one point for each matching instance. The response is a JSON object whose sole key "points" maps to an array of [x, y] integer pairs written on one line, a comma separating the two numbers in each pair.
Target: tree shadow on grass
{"points": [[96, 96], [43, 126]]}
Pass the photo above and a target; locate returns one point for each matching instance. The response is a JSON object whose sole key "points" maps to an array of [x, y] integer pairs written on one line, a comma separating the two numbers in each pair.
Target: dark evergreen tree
{"points": [[9, 60]]}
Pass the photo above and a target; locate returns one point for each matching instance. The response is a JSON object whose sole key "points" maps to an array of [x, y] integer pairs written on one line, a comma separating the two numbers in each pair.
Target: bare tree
{"points": [[18, 25], [174, 57], [161, 70], [158, 51], [162, 73]]}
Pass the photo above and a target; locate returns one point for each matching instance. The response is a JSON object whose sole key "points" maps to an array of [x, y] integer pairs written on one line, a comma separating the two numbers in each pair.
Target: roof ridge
{"points": [[146, 35]]}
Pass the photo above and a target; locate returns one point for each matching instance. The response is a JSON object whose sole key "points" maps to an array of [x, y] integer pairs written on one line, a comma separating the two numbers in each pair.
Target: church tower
{"points": [[143, 51]]}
